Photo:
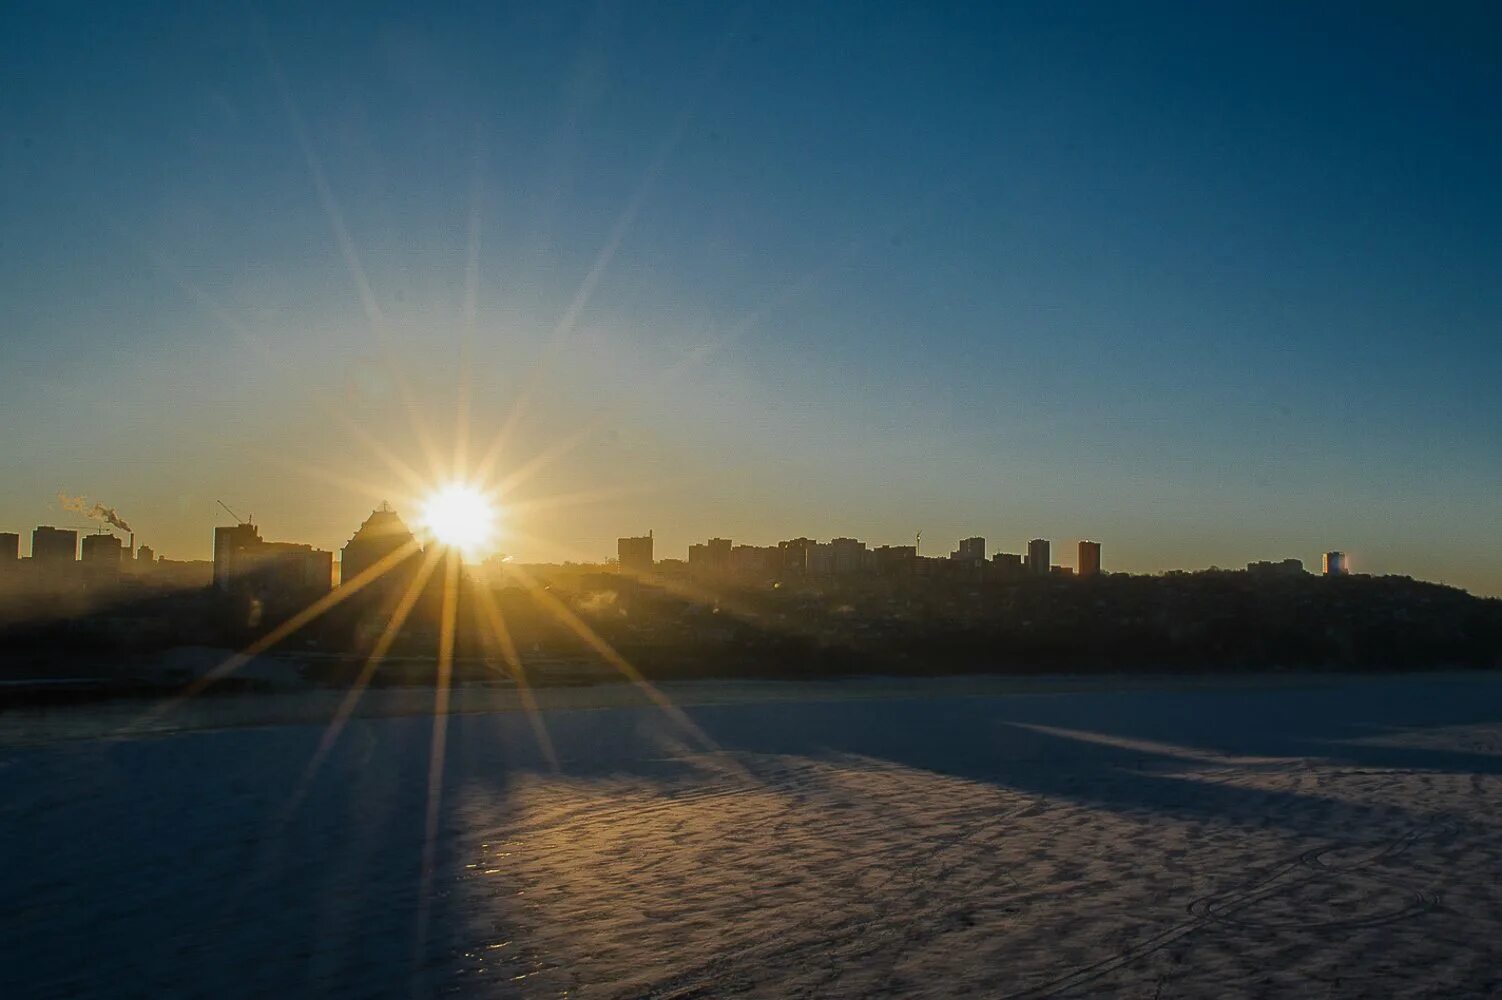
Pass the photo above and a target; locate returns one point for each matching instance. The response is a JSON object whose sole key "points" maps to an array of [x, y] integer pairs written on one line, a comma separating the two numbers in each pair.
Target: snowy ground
{"points": [[1327, 838]]}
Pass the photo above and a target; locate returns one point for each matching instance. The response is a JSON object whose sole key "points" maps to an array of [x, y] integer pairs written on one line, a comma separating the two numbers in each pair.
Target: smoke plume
{"points": [[96, 510]]}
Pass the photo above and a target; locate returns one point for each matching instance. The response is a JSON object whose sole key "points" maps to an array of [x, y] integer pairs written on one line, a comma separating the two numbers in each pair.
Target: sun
{"points": [[461, 517]]}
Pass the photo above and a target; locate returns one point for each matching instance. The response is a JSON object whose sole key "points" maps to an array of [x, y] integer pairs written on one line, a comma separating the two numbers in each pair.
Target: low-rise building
{"points": [[1283, 567]]}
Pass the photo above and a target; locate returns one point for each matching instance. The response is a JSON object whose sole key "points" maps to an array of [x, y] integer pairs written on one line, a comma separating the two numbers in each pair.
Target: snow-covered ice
{"points": [[1330, 837]]}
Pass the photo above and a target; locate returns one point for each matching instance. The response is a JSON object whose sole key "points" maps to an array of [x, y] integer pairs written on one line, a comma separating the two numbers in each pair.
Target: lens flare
{"points": [[461, 517]]}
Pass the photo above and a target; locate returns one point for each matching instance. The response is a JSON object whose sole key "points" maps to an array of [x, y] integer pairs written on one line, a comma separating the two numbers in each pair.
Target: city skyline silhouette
{"points": [[881, 500], [1012, 289]]}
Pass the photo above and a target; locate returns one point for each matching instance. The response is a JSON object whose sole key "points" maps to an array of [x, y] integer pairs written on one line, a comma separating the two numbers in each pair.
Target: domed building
{"points": [[367, 612], [382, 533]]}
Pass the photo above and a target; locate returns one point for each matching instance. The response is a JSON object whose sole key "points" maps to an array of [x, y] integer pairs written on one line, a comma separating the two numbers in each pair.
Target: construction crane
{"points": [[237, 517]]}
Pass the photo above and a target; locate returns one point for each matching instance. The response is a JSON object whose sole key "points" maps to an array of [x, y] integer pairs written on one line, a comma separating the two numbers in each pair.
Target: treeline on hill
{"points": [[791, 628], [1209, 621]]}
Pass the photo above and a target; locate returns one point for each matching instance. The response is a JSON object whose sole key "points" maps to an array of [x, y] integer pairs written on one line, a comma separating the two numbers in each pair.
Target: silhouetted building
{"points": [[291, 567], [145, 556], [101, 555], [710, 559], [1336, 564], [795, 554], [847, 555], [755, 560], [231, 547], [184, 574], [1089, 561], [1008, 565], [818, 559], [1284, 567], [941, 567], [1038, 557], [376, 541], [895, 560], [635, 554], [10, 549], [971, 550], [246, 564], [52, 547]]}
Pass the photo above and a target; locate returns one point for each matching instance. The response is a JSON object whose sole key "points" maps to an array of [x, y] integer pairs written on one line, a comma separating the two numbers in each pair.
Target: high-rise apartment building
{"points": [[1007, 565], [102, 554], [1038, 557], [53, 546], [971, 550], [711, 558], [1089, 563], [635, 554], [847, 555], [231, 546]]}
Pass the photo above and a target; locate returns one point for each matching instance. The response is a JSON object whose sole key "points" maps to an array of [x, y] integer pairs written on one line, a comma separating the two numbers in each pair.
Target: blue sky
{"points": [[1207, 285]]}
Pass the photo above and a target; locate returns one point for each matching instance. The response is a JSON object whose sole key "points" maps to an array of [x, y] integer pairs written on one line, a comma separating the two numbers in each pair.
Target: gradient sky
{"points": [[1207, 285]]}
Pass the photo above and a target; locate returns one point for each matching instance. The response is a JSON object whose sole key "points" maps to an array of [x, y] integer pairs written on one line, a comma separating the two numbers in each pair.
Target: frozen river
{"points": [[1325, 838]]}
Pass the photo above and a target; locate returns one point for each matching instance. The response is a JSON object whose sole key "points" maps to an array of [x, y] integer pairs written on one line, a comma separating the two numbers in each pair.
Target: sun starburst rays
{"points": [[399, 615], [473, 493], [456, 487], [461, 517], [281, 632], [437, 752], [499, 633], [581, 629]]}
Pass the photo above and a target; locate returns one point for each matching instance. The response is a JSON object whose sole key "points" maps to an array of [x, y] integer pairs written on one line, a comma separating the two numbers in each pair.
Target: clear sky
{"points": [[1207, 285]]}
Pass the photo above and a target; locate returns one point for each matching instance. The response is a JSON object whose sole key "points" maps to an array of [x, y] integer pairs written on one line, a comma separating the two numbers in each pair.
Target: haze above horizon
{"points": [[1209, 286]]}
